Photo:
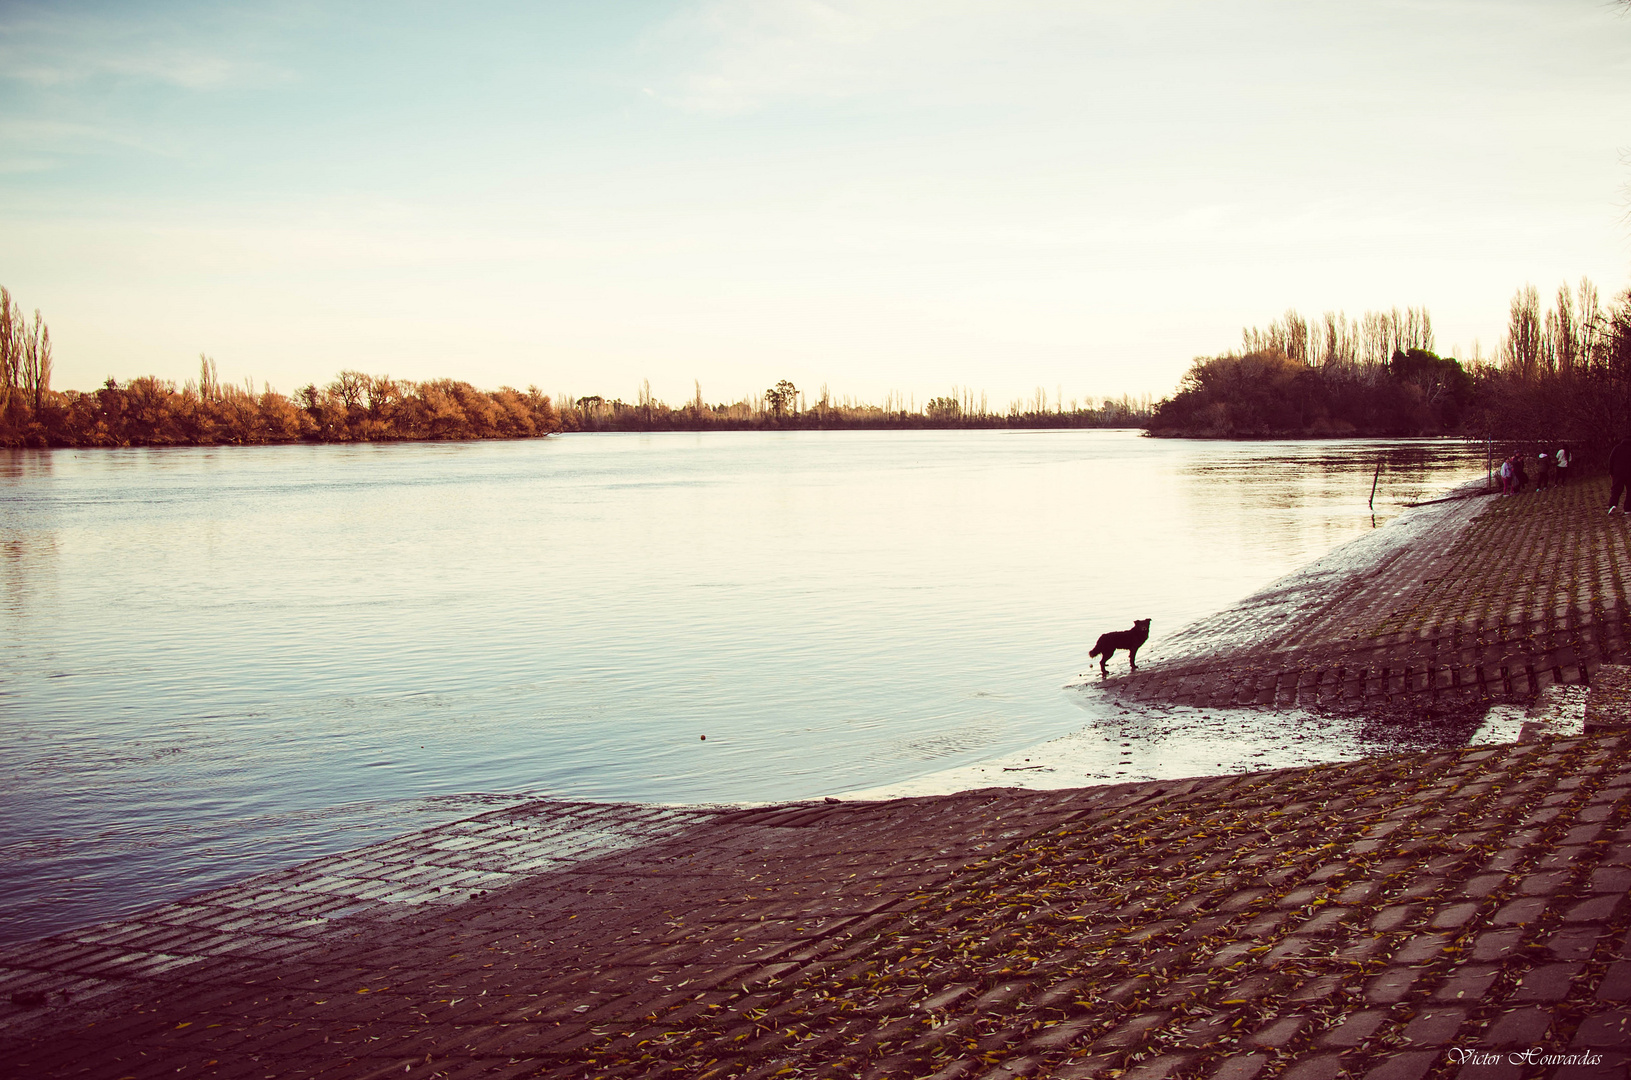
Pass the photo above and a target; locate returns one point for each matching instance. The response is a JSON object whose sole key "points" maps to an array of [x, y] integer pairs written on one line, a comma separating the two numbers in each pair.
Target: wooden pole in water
{"points": [[1373, 480]]}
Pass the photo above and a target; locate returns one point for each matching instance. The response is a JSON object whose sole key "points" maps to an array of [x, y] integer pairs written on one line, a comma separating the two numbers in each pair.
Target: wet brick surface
{"points": [[1199, 928], [1377, 919], [1510, 596]]}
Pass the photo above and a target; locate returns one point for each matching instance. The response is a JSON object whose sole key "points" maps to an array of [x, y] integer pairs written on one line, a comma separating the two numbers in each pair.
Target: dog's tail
{"points": [[1097, 649]]}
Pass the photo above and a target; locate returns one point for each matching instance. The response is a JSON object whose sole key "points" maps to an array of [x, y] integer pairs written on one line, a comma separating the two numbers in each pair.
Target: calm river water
{"points": [[218, 661]]}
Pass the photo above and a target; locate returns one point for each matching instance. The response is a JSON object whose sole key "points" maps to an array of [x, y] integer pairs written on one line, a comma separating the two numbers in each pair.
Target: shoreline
{"points": [[999, 424], [867, 679], [1339, 918], [1297, 606], [1154, 930]]}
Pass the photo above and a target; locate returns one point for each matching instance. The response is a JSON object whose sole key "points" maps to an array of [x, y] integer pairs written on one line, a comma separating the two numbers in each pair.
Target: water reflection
{"points": [[26, 465], [221, 660]]}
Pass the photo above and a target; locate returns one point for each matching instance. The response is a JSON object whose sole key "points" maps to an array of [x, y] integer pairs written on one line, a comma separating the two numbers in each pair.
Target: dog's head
{"points": [[1141, 624]]}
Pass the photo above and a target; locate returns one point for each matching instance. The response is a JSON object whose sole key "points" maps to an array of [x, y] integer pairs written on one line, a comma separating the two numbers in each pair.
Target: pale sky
{"points": [[873, 195]]}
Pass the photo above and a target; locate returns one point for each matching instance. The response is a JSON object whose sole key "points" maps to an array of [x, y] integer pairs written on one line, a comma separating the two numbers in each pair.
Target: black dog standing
{"points": [[1121, 639]]}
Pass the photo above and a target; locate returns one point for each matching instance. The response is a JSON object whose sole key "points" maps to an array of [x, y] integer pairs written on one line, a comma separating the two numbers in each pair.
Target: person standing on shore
{"points": [[1561, 461], [1520, 475], [1619, 469], [1542, 463], [1506, 477]]}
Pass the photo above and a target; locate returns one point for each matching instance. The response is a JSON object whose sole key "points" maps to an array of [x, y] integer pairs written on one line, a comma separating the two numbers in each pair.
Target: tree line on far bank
{"points": [[149, 411], [785, 407], [357, 407], [1562, 374]]}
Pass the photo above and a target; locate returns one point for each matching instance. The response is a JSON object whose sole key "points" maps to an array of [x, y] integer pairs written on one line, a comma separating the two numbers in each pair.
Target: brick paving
{"points": [[1361, 919], [1498, 599], [1423, 915]]}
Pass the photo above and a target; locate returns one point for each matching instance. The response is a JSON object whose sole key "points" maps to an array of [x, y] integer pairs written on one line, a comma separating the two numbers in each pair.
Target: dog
{"points": [[1121, 639]]}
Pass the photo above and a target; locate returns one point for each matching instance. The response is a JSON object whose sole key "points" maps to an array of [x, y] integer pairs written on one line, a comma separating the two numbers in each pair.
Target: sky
{"points": [[876, 196]]}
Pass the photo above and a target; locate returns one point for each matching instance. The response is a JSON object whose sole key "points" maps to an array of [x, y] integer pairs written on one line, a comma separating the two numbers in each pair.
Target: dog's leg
{"points": [[1132, 657], [1104, 664]]}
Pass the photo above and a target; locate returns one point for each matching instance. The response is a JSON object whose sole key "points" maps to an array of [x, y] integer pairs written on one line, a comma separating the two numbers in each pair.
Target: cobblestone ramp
{"points": [[280, 917], [1378, 919], [1473, 601]]}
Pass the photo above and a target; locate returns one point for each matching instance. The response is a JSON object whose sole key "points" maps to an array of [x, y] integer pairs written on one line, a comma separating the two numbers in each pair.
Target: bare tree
{"points": [[1377, 336], [349, 387], [1520, 353], [1565, 332], [35, 360], [209, 380], [781, 398], [1589, 322], [10, 347], [1421, 323]]}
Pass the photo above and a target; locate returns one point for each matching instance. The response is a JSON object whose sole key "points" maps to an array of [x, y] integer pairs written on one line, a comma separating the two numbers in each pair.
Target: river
{"points": [[215, 661]]}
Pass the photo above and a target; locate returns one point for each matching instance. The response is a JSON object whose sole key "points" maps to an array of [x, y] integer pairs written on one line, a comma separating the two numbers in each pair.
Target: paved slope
{"points": [[1466, 602], [1364, 919]]}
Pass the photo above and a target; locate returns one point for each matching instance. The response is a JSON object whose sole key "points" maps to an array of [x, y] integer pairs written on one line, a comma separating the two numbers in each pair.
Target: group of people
{"points": [[1550, 469], [1619, 471]]}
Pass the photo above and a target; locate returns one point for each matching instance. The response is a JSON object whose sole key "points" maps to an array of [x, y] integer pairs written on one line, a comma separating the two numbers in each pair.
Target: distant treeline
{"points": [[357, 407], [785, 407], [1377, 375], [1564, 376], [1561, 375], [354, 408]]}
